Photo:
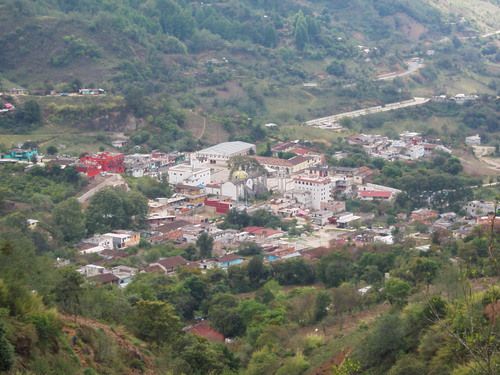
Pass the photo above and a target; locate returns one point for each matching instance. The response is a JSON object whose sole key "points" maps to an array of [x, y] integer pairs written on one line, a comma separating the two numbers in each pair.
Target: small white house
{"points": [[473, 140]]}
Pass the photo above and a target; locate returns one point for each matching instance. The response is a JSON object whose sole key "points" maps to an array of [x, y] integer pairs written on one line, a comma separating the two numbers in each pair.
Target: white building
{"points": [[221, 153], [473, 140], [90, 270], [479, 208], [319, 189], [189, 175], [415, 152]]}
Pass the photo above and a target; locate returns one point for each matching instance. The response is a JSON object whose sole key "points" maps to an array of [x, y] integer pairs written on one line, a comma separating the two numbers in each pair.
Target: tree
{"points": [[293, 272], [336, 68], [256, 271], [205, 245], [69, 220], [6, 351], [249, 249], [385, 341], [425, 270], [68, 291], [396, 291], [52, 150], [134, 99], [190, 252], [156, 322], [263, 361], [116, 209], [31, 113], [224, 315], [301, 31], [335, 269], [323, 300]]}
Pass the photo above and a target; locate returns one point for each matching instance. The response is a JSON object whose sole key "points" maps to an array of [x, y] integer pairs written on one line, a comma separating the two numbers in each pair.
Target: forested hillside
{"points": [[118, 42], [233, 65]]}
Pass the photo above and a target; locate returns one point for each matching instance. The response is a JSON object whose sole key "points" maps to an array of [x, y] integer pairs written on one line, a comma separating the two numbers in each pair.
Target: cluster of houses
{"points": [[294, 183], [458, 98], [409, 146], [83, 92]]}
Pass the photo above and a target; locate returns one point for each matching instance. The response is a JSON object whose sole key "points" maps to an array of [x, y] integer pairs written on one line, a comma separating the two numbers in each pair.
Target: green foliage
{"points": [[52, 150], [116, 209], [295, 365], [334, 269], [74, 48], [263, 361], [69, 220], [198, 356], [68, 291], [396, 291], [349, 367], [54, 182], [322, 304], [249, 249], [293, 272], [6, 351], [224, 315], [262, 218], [156, 321], [23, 119], [205, 245], [383, 344]]}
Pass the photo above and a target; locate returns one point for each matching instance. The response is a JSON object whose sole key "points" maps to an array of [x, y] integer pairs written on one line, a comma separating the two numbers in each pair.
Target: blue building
{"points": [[20, 154], [229, 260]]}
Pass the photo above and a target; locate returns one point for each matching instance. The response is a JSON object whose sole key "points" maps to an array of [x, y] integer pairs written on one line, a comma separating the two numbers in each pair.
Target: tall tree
{"points": [[68, 291], [6, 351], [205, 245], [256, 271], [69, 220], [301, 31], [156, 321]]}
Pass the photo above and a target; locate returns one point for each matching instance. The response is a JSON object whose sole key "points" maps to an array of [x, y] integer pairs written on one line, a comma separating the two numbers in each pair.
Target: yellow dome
{"points": [[240, 175]]}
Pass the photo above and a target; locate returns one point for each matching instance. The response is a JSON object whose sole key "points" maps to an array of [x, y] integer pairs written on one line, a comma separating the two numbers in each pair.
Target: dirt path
{"points": [[476, 167], [202, 133]]}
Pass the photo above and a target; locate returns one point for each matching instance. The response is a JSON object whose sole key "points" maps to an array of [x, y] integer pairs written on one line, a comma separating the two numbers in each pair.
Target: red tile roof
{"points": [[273, 161], [203, 329], [374, 194]]}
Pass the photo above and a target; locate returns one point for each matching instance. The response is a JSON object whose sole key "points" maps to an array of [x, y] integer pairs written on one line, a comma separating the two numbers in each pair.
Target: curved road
{"points": [[413, 66]]}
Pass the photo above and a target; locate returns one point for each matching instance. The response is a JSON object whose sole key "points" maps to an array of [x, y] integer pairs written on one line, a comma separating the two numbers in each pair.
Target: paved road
{"points": [[487, 35], [112, 180], [327, 122], [413, 66]]}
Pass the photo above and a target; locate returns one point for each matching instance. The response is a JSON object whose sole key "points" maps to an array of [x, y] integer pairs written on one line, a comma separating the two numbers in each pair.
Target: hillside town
{"points": [[319, 204]]}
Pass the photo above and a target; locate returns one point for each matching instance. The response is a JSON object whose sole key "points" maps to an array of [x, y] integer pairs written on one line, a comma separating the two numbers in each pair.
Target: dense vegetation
{"points": [[443, 329], [225, 59]]}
